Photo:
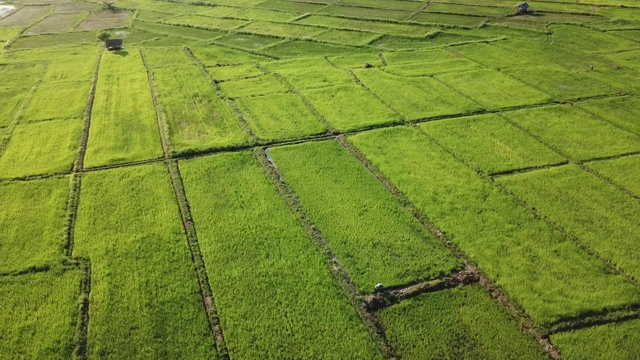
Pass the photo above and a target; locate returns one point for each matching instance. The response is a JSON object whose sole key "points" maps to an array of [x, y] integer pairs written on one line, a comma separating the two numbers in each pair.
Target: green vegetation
{"points": [[33, 222], [298, 48], [492, 89], [254, 86], [519, 252], [205, 22], [490, 143], [262, 266], [386, 4], [447, 19], [317, 77], [622, 171], [123, 122], [575, 133], [41, 148], [232, 72], [281, 29], [415, 98], [196, 117], [620, 111], [587, 207], [365, 13], [610, 341], [248, 41], [374, 26], [39, 314], [290, 6], [375, 239], [47, 101], [10, 103], [166, 56], [346, 37], [461, 323], [280, 116], [217, 55], [144, 299], [350, 107], [588, 40]]}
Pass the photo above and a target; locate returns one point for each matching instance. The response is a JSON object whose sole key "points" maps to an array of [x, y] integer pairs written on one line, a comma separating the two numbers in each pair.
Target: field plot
{"points": [[374, 26], [76, 66], [622, 171], [493, 56], [7, 34], [300, 48], [346, 37], [100, 20], [429, 69], [576, 133], [542, 271], [560, 84], [620, 111], [41, 148], [281, 29], [416, 98], [626, 58], [56, 23], [610, 341], [490, 143], [10, 103], [317, 77], [490, 11], [205, 22], [74, 6], [461, 323], [365, 13], [349, 107], [448, 19], [265, 15], [33, 223], [266, 268], [181, 31], [375, 239], [232, 72], [216, 55], [197, 118], [492, 89], [280, 116], [123, 122], [25, 16], [355, 61], [254, 86], [290, 6], [589, 41], [386, 4], [39, 314], [587, 207], [248, 41], [69, 40], [144, 300], [46, 101], [166, 56]]}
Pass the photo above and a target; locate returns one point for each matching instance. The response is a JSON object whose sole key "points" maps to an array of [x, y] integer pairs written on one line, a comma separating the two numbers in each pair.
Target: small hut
{"points": [[522, 8], [114, 44]]}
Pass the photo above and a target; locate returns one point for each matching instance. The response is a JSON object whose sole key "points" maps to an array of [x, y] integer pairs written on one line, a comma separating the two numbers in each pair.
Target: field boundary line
{"points": [[82, 330], [72, 213], [189, 226], [337, 271], [84, 140], [240, 117], [528, 169], [161, 119], [512, 309], [614, 316]]}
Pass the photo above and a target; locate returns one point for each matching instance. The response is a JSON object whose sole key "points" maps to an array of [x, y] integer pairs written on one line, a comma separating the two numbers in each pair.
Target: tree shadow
{"points": [[121, 52]]}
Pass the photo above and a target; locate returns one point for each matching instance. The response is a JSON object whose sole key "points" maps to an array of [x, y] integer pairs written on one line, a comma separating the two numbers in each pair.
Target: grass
{"points": [[40, 313], [575, 133], [460, 323], [248, 41], [622, 171], [46, 101], [145, 300], [265, 268], [346, 37], [365, 13], [490, 143], [317, 77], [41, 148], [447, 19], [428, 69], [609, 341], [386, 4], [280, 116], [620, 111], [300, 48], [587, 207], [560, 84], [281, 29], [424, 56], [197, 118], [181, 31], [492, 89], [10, 103], [77, 67], [546, 274], [262, 85], [349, 107], [375, 239], [589, 41], [364, 25], [33, 220], [494, 56], [205, 22], [415, 98], [70, 40], [290, 6], [433, 40], [489, 11], [166, 56], [217, 55], [355, 61], [233, 72], [265, 15], [123, 122]]}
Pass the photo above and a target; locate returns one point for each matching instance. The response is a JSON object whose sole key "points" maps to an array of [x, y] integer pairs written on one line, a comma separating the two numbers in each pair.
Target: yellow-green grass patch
{"points": [[447, 19], [622, 171], [490, 143], [290, 6], [166, 56], [492, 89], [574, 132], [386, 4], [317, 77], [197, 118], [490, 11], [10, 103], [280, 116], [459, 323], [123, 120], [540, 269], [19, 75], [231, 72], [248, 41], [588, 41], [350, 107], [58, 100], [145, 300], [216, 55], [39, 316], [602, 342], [364, 25], [205, 22], [365, 13], [265, 15], [372, 235], [301, 48], [33, 219], [282, 29], [603, 218], [180, 31], [355, 61], [264, 267], [416, 98], [427, 69], [46, 147], [253, 86], [346, 37]]}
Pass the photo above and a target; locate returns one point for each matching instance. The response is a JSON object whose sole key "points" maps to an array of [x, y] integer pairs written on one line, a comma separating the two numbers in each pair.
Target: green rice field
{"points": [[320, 179]]}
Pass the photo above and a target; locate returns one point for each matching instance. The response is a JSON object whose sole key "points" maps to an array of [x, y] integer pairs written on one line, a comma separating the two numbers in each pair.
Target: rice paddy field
{"points": [[320, 179]]}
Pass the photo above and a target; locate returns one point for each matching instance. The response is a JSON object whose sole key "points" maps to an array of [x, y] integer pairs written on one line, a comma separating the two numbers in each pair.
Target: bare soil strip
{"points": [[371, 322]]}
